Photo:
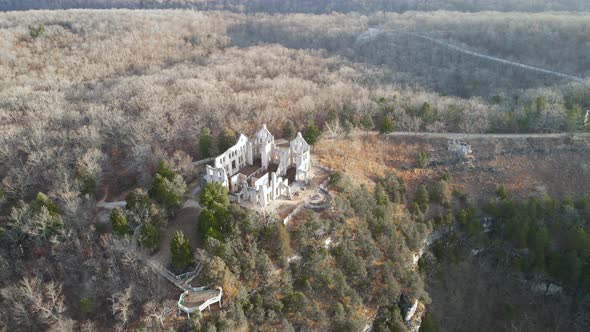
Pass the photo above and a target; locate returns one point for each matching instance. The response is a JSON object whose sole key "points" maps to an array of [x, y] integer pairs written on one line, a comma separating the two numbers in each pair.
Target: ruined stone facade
{"points": [[458, 147], [260, 170]]}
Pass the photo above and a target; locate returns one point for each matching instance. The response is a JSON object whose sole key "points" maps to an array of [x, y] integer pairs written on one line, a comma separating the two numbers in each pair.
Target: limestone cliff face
{"points": [[414, 321], [413, 315], [412, 310]]}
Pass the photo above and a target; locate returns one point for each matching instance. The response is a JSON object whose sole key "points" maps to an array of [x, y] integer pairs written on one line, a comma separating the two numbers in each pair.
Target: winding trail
{"points": [[491, 58], [474, 135], [110, 205]]}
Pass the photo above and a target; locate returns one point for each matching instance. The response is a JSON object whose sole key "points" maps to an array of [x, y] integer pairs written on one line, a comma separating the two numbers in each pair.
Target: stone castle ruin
{"points": [[460, 148], [261, 170]]}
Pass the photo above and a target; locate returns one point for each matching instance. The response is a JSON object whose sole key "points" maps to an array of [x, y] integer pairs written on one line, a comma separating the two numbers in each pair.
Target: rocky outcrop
{"points": [[546, 288], [415, 321], [412, 312]]}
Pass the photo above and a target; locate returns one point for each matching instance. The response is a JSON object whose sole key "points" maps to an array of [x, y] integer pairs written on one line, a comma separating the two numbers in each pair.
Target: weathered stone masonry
{"points": [[260, 170]]}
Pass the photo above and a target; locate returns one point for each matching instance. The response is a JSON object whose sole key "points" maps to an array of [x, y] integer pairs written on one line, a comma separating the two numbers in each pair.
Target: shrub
{"points": [[416, 211], [279, 240], [213, 194], [422, 159], [386, 125], [501, 192], [166, 192], [227, 138], [335, 178], [137, 201], [347, 127], [42, 201], [380, 195], [38, 222], [119, 222], [168, 187], [422, 198], [150, 236], [88, 185], [86, 305], [87, 181], [36, 31], [215, 221], [207, 147], [311, 133], [441, 193], [460, 195], [289, 131], [428, 114], [394, 186], [367, 122]]}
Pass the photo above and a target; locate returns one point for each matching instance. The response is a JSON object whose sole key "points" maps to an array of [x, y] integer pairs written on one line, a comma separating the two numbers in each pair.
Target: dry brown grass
{"points": [[560, 169], [367, 157]]}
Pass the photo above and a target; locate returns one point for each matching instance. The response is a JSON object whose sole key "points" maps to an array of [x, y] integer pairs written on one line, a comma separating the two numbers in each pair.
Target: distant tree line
{"points": [[304, 6]]}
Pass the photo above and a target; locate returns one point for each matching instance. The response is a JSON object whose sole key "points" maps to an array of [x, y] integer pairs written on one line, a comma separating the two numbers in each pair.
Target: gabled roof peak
{"points": [[264, 130]]}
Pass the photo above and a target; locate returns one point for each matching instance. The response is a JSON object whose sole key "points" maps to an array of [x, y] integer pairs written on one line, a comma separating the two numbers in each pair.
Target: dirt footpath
{"points": [[186, 220]]}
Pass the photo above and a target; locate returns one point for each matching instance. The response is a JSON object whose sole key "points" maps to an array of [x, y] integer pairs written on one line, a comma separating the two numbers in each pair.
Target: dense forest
{"points": [[326, 272], [319, 272], [123, 90], [389, 41], [306, 6], [522, 261], [91, 99]]}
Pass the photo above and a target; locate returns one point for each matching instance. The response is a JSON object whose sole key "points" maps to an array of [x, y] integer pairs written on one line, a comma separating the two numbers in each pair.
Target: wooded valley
{"points": [[125, 101]]}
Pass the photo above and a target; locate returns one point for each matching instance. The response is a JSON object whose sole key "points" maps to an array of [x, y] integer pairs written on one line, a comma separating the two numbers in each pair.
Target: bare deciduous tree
{"points": [[122, 303], [333, 129], [34, 302], [155, 312]]}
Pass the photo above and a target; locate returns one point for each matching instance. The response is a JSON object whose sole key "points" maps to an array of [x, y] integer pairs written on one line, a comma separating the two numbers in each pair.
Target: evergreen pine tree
{"points": [[227, 139], [206, 143], [289, 130], [150, 236], [367, 122], [119, 222], [182, 253], [422, 198], [386, 125], [311, 133]]}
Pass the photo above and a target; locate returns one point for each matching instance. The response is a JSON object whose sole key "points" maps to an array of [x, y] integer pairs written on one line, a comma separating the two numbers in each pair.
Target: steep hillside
{"points": [[529, 266], [393, 42], [138, 84], [103, 114]]}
